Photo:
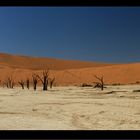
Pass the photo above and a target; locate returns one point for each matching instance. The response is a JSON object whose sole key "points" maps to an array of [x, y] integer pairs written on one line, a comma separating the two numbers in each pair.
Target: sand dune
{"points": [[68, 72], [67, 107], [123, 74], [35, 63]]}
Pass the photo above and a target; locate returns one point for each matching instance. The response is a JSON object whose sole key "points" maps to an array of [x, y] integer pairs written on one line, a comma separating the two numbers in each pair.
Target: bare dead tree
{"points": [[5, 83], [9, 82], [21, 83], [12, 84], [99, 84], [28, 83], [51, 82], [35, 81], [44, 79]]}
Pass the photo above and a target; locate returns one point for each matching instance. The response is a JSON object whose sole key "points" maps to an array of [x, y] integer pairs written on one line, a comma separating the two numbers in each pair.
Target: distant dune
{"points": [[35, 63], [68, 72]]}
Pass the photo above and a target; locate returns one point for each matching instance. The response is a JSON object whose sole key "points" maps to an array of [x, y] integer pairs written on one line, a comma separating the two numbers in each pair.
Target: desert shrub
{"points": [[86, 85]]}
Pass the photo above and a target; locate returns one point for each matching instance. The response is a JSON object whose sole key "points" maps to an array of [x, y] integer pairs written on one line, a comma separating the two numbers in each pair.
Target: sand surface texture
{"points": [[70, 108]]}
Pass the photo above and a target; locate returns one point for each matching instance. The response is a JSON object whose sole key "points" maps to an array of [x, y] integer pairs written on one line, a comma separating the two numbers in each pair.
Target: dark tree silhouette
{"points": [[5, 83], [35, 81], [9, 82], [51, 82], [21, 83], [44, 79], [99, 84], [28, 83]]}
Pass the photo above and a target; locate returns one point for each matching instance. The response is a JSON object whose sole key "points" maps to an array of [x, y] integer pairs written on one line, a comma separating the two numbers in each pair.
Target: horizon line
{"points": [[43, 57]]}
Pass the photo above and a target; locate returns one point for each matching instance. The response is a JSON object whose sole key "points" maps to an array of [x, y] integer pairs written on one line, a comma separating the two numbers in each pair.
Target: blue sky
{"points": [[102, 34]]}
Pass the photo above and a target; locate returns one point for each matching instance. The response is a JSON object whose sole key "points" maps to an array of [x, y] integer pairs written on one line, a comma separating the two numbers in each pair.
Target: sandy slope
{"points": [[68, 72], [124, 74], [71, 108], [35, 63]]}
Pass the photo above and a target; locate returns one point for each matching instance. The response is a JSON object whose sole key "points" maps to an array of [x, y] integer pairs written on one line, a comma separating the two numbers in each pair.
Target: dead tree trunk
{"points": [[44, 79], [28, 83], [99, 84], [51, 82], [21, 83], [9, 82], [35, 80], [5, 84]]}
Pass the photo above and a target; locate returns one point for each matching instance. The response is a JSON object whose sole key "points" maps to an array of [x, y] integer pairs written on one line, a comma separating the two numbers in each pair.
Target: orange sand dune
{"points": [[68, 72], [36, 63]]}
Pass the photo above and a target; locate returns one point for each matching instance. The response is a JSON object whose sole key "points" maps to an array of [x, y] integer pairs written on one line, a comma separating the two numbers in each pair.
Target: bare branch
{"points": [[39, 78], [99, 84], [21, 83], [9, 82], [44, 79]]}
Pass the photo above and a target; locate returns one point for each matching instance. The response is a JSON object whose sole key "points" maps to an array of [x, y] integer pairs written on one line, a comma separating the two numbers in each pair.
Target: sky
{"points": [[99, 34]]}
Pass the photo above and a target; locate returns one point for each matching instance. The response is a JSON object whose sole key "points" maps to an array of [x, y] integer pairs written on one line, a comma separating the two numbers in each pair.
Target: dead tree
{"points": [[21, 83], [99, 84], [28, 83], [5, 83], [44, 79], [35, 81], [9, 82], [51, 82]]}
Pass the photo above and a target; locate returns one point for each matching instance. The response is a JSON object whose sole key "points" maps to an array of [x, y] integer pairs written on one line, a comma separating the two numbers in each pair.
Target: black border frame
{"points": [[53, 3], [70, 134]]}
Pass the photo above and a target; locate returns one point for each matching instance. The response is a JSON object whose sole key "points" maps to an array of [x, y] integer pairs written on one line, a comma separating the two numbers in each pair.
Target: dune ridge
{"points": [[68, 72], [37, 63]]}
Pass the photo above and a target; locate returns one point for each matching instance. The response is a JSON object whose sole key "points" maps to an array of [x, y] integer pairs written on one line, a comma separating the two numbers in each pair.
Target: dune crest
{"points": [[37, 63]]}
